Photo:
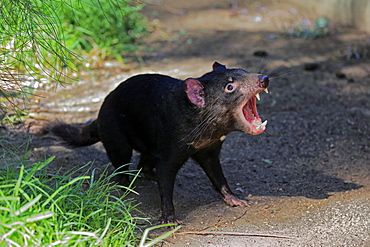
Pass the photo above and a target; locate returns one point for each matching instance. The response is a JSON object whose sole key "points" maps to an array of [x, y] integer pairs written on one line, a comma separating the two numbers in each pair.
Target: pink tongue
{"points": [[250, 110]]}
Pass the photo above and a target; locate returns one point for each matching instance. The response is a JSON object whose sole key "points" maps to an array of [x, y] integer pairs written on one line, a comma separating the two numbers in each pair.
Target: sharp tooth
{"points": [[264, 124], [266, 90], [258, 96], [256, 123]]}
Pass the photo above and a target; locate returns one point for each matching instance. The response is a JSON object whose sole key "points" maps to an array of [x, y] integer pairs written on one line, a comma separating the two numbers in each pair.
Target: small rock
{"points": [[340, 75], [351, 80], [239, 190], [260, 54], [311, 66], [364, 111]]}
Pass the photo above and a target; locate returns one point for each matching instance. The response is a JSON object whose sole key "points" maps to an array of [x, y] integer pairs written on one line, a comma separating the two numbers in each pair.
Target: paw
{"points": [[169, 220], [233, 201]]}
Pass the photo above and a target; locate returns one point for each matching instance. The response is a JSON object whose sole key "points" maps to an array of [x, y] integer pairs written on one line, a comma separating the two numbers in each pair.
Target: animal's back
{"points": [[143, 109]]}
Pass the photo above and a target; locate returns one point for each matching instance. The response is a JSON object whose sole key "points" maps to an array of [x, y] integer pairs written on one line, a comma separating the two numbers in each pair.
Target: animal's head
{"points": [[229, 96]]}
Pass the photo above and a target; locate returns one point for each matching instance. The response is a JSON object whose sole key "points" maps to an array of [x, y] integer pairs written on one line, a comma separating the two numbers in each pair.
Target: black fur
{"points": [[74, 135], [168, 121]]}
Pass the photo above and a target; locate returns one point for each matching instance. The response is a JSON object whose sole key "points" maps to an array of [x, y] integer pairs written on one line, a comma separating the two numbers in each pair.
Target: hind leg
{"points": [[147, 165], [119, 152], [120, 156]]}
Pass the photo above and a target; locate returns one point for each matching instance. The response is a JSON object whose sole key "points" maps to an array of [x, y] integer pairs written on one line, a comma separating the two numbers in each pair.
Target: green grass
{"points": [[110, 27], [45, 39], [43, 43], [307, 29], [37, 209]]}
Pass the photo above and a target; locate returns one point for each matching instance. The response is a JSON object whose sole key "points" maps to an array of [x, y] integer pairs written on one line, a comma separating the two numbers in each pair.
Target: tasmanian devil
{"points": [[169, 120]]}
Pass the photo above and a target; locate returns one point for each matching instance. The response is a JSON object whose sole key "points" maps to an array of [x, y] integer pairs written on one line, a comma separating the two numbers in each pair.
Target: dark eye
{"points": [[230, 87]]}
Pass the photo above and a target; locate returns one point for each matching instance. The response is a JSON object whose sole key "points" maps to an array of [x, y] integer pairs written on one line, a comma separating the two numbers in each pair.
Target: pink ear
{"points": [[194, 90]]}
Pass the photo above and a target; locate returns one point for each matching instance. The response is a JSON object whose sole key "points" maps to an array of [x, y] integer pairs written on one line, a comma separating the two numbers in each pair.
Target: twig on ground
{"points": [[222, 222], [200, 231], [231, 234]]}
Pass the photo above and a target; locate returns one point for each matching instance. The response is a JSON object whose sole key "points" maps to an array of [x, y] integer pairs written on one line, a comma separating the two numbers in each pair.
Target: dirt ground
{"points": [[307, 176]]}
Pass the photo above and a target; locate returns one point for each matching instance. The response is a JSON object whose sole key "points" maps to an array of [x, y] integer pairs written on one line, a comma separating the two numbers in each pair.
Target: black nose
{"points": [[263, 81]]}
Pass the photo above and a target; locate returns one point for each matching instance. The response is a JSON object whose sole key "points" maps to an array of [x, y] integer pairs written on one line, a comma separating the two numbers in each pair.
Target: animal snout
{"points": [[263, 81]]}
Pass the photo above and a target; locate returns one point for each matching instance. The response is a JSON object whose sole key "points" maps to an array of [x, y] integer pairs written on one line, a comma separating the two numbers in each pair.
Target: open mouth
{"points": [[250, 113]]}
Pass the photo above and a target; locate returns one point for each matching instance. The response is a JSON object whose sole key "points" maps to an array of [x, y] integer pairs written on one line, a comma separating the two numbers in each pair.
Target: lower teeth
{"points": [[259, 125]]}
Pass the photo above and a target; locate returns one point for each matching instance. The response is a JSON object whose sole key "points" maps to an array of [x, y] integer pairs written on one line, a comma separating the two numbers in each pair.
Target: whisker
{"points": [[260, 69], [281, 75], [271, 72], [265, 60], [208, 117], [199, 128]]}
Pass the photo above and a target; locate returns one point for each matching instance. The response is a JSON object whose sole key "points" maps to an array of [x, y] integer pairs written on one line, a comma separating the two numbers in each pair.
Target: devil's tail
{"points": [[74, 135]]}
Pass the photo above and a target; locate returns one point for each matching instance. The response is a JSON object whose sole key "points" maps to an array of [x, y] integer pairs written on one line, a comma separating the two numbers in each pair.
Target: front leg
{"points": [[209, 160]]}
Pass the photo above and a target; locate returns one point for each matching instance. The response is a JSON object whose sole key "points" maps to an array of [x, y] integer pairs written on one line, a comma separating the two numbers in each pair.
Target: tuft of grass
{"points": [[44, 39], [111, 27], [37, 209], [44, 42], [306, 29], [31, 44]]}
